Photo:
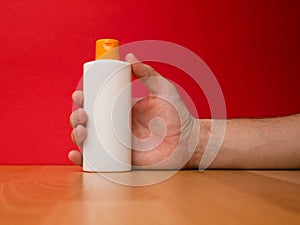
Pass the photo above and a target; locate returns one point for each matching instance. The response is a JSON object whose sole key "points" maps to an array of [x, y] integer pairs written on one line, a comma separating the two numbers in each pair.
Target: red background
{"points": [[252, 46]]}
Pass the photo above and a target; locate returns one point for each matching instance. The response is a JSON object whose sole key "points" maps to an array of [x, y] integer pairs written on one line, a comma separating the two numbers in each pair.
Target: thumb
{"points": [[157, 84]]}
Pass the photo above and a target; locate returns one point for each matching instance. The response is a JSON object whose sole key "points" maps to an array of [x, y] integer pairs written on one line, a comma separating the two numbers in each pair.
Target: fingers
{"points": [[77, 119], [75, 157], [79, 116], [77, 97], [78, 135], [156, 84]]}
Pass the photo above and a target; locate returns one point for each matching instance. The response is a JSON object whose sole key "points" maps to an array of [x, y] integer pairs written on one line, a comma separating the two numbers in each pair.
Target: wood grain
{"points": [[64, 195]]}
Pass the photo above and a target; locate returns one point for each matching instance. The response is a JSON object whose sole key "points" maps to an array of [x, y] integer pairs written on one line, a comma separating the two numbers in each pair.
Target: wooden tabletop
{"points": [[54, 195]]}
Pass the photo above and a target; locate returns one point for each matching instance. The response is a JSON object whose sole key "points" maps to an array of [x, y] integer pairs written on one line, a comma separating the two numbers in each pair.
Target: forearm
{"points": [[254, 143]]}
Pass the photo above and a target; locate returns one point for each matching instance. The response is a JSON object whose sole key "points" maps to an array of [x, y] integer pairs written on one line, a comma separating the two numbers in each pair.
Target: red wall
{"points": [[252, 46]]}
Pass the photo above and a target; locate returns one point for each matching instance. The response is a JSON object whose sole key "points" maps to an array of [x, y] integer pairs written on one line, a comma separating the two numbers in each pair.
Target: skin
{"points": [[248, 143]]}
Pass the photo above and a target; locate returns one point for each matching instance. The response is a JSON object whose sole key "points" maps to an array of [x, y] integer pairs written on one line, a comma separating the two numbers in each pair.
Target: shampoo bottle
{"points": [[107, 102]]}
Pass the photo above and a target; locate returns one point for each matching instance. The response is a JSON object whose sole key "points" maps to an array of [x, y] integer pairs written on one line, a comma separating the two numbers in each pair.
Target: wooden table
{"points": [[54, 195]]}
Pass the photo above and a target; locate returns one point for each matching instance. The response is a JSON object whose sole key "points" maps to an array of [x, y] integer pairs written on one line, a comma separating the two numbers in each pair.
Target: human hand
{"points": [[165, 134]]}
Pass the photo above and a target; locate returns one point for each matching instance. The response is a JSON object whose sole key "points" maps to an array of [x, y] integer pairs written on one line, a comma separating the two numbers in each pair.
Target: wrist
{"points": [[203, 134]]}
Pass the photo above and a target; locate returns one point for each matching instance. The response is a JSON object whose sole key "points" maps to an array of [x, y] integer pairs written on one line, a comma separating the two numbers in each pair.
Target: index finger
{"points": [[77, 97]]}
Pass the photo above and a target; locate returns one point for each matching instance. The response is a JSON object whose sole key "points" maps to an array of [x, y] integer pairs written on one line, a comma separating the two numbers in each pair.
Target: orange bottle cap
{"points": [[107, 49]]}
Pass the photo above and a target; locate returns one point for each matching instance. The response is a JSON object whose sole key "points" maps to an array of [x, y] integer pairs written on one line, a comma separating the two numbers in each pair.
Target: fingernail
{"points": [[130, 57]]}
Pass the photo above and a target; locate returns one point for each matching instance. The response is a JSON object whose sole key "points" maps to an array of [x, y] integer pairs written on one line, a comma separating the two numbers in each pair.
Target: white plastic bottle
{"points": [[107, 101]]}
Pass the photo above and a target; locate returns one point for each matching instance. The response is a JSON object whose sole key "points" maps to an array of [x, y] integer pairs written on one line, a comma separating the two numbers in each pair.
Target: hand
{"points": [[174, 135]]}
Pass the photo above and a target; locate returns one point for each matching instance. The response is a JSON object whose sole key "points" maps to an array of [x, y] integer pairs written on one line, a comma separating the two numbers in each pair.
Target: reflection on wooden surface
{"points": [[64, 195]]}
